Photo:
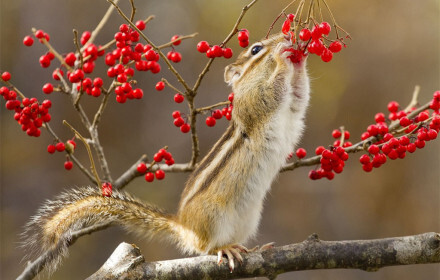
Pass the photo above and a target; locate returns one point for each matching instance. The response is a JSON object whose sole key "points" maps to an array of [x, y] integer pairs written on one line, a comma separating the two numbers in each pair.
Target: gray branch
{"points": [[370, 255]]}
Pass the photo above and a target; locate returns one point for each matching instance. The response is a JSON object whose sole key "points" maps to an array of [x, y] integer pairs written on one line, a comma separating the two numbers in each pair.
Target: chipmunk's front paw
{"points": [[232, 252]]}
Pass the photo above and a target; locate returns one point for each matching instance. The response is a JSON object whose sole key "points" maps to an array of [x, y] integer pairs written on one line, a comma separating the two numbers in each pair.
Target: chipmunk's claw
{"points": [[232, 252]]}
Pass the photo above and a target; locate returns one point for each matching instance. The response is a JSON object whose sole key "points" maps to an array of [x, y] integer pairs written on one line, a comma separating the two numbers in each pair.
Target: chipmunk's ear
{"points": [[232, 73]]}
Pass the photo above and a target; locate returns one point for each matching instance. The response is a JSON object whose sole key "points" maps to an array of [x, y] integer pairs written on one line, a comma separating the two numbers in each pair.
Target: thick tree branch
{"points": [[369, 255]]}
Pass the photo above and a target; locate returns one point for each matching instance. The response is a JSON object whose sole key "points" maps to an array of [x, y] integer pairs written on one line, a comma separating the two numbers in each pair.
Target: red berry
{"points": [[39, 34], [28, 41], [243, 36], [203, 46], [70, 59], [336, 133], [185, 128], [373, 149], [324, 28], [305, 34], [6, 76], [150, 55], [217, 51], [367, 167], [301, 153], [411, 147], [432, 134], [379, 117], [231, 97], [60, 146], [68, 165], [44, 61], [319, 150], [160, 174], [291, 17], [178, 98], [158, 157], [48, 88], [140, 24], [364, 159], [176, 57], [210, 121], [227, 53], [393, 106], [51, 149], [335, 47], [160, 86], [217, 114], [286, 26], [149, 177], [316, 33], [179, 121], [244, 44], [85, 37], [176, 114], [326, 55], [177, 42]]}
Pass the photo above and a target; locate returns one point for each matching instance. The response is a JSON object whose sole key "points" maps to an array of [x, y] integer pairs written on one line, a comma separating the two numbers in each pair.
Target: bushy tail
{"points": [[51, 229]]}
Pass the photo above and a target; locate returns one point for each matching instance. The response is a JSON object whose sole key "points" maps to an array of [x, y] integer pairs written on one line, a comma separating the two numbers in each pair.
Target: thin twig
{"points": [[9, 84], [133, 10], [171, 86], [210, 107], [169, 44], [89, 151], [414, 100], [102, 107], [81, 63], [101, 24]]}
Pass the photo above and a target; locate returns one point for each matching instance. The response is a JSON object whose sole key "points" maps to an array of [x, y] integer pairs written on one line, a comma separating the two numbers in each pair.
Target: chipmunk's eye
{"points": [[256, 49]]}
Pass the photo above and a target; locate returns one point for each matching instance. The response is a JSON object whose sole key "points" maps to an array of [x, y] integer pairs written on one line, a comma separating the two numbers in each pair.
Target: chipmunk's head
{"points": [[257, 62]]}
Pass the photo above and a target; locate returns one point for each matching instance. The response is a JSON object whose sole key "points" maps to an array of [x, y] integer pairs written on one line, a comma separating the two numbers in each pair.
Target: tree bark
{"points": [[370, 255]]}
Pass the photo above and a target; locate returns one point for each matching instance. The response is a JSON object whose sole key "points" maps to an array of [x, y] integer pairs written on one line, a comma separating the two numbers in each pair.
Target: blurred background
{"points": [[395, 46]]}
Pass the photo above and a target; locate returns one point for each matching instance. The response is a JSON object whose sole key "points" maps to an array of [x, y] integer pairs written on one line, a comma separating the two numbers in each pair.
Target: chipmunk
{"points": [[221, 204]]}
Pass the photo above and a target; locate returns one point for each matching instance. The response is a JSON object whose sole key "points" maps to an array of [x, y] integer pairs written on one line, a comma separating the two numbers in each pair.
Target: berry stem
{"points": [[89, 151]]}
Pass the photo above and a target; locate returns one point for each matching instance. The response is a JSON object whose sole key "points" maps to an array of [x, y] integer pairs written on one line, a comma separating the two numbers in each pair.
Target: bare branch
{"points": [[369, 255], [102, 23]]}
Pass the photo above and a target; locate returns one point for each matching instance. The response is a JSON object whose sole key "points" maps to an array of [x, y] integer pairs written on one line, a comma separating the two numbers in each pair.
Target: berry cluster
{"points": [[180, 122], [29, 113], [417, 131], [332, 161], [218, 114], [214, 51], [69, 147], [162, 154], [389, 138], [312, 40], [243, 38]]}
